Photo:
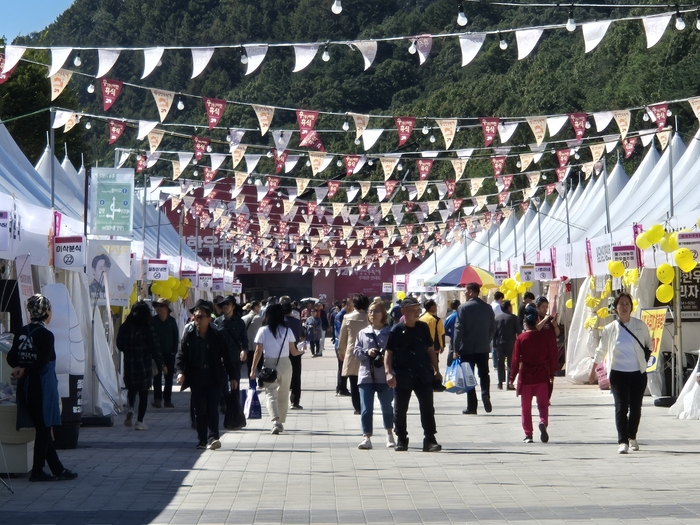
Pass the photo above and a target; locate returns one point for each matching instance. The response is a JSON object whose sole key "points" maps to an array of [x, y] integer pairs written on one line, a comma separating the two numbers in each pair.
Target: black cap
{"points": [[409, 301], [228, 299], [201, 304]]}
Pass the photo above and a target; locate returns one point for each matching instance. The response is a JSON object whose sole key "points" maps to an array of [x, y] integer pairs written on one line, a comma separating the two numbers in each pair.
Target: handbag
{"points": [[267, 374], [454, 380], [234, 419], [647, 352], [252, 408]]}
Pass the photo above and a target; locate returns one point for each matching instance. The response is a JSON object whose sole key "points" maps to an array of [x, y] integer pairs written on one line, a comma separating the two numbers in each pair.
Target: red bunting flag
{"points": [[498, 164], [311, 207], [490, 127], [110, 92], [333, 187], [549, 189], [578, 121], [350, 164], [563, 156], [306, 121], [561, 173], [115, 128], [660, 111], [390, 186], [506, 180], [487, 217], [409, 207], [313, 141], [458, 203], [362, 209], [503, 198], [368, 231], [272, 183], [140, 163], [451, 186], [405, 127], [215, 110], [629, 145], [209, 174], [280, 160], [424, 167], [4, 76], [200, 146], [525, 205]]}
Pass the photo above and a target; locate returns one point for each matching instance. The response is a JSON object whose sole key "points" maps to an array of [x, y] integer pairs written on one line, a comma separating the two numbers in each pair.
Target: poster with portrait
{"points": [[109, 268]]}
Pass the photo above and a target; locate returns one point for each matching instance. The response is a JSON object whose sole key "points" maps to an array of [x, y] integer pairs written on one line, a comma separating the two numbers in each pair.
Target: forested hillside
{"points": [[558, 77]]}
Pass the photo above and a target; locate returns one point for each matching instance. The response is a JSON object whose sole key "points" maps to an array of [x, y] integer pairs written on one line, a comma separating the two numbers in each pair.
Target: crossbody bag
{"points": [[267, 374], [647, 352]]}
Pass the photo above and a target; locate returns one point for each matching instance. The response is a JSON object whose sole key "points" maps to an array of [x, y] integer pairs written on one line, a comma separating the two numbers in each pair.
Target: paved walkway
{"points": [[314, 473]]}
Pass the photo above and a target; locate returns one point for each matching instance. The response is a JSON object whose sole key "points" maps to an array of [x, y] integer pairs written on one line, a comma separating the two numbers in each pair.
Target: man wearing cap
{"points": [[474, 329], [233, 329], [166, 330], [412, 366], [201, 362]]}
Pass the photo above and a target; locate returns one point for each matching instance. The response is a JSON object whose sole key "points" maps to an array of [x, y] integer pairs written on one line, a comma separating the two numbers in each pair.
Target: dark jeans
{"points": [[480, 361], [315, 347], [295, 386], [355, 393], [424, 394], [342, 382], [44, 449], [628, 391], [504, 354], [205, 401], [143, 402], [160, 393]]}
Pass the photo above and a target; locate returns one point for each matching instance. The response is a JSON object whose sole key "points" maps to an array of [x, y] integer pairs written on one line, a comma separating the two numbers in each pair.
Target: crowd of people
{"points": [[392, 354]]}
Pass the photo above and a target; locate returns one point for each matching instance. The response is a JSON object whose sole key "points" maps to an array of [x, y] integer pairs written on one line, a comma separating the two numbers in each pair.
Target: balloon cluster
{"points": [[512, 287], [401, 296], [172, 289]]}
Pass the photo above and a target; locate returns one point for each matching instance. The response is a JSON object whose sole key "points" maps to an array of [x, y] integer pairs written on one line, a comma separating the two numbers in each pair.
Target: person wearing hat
{"points": [[201, 363], [138, 341], [412, 367], [166, 330], [232, 327], [33, 359]]}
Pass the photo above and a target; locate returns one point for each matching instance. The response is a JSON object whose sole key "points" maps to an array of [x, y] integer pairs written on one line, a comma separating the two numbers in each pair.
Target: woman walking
{"points": [[534, 364], [138, 341], [353, 324], [275, 341], [370, 347], [33, 359], [313, 332], [622, 346]]}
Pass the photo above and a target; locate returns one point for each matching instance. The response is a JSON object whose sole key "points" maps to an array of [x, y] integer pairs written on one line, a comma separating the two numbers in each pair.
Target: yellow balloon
{"points": [[509, 284], [156, 288], [401, 296], [174, 296], [528, 284], [655, 233], [616, 269], [665, 273], [664, 293], [682, 256], [511, 295], [187, 282], [569, 303], [522, 288], [669, 243], [172, 282], [698, 223], [183, 293], [642, 241], [517, 276], [688, 267]]}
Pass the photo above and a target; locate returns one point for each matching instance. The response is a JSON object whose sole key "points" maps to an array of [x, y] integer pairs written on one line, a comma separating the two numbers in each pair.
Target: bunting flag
{"points": [[538, 125], [115, 128], [554, 124], [350, 164], [256, 55], [660, 112], [316, 158], [390, 186], [490, 128], [215, 110], [209, 174], [527, 40], [694, 102], [174, 200], [362, 208], [151, 58], [534, 178], [365, 185], [424, 44], [578, 122], [313, 140], [264, 114], [304, 54], [561, 173], [368, 48], [306, 121], [176, 173], [663, 137], [59, 81], [154, 139], [623, 119], [448, 127], [459, 165], [424, 167], [503, 198], [405, 126], [629, 145], [587, 169], [525, 205], [301, 185], [549, 189], [164, 101], [280, 160], [593, 33], [370, 137], [498, 164], [333, 187], [145, 127], [272, 183], [597, 151], [4, 75], [386, 209], [503, 183], [337, 209], [361, 122], [13, 54], [479, 202], [200, 146], [352, 192], [59, 55], [237, 154], [217, 159], [200, 58], [563, 156], [287, 206], [140, 163], [654, 26], [388, 165], [451, 187], [184, 159], [475, 185], [602, 120], [470, 45]]}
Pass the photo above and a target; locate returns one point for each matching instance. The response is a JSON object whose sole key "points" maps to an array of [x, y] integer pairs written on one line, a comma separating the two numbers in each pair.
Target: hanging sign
{"points": [[4, 231], [111, 201], [499, 277], [387, 288], [69, 252], [217, 284], [527, 273], [543, 271], [205, 281], [690, 240], [237, 288], [627, 255], [156, 270], [191, 275]]}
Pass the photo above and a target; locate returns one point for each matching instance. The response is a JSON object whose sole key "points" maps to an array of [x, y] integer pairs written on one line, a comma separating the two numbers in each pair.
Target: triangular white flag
{"points": [[217, 159], [423, 45], [370, 137], [555, 124], [256, 55], [506, 130], [326, 163], [602, 120], [611, 142], [381, 193], [123, 157], [184, 158], [200, 58], [465, 153], [151, 58], [352, 192], [151, 159], [281, 139], [145, 127], [250, 162], [107, 59], [321, 193], [647, 136], [368, 48], [235, 137], [655, 27], [291, 162], [261, 191], [60, 118], [527, 40], [13, 54], [304, 55], [471, 44], [593, 33], [59, 55]]}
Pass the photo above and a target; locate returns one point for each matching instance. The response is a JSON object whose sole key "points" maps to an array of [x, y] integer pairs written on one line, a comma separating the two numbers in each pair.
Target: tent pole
{"points": [[182, 218], [515, 233], [670, 174], [539, 226], [525, 237], [568, 226], [158, 235], [466, 251], [488, 236], [605, 192], [143, 228], [499, 244], [52, 143]]}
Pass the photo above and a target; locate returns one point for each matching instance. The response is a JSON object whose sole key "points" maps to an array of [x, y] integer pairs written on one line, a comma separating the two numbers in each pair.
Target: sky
{"points": [[26, 16]]}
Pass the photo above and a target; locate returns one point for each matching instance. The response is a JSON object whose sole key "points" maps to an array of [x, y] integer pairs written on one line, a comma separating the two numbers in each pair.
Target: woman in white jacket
{"points": [[626, 365]]}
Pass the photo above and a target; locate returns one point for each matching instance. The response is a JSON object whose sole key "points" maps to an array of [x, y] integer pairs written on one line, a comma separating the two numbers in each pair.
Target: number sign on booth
{"points": [[527, 273], [627, 255], [387, 288], [543, 271], [69, 252], [156, 270], [499, 277]]}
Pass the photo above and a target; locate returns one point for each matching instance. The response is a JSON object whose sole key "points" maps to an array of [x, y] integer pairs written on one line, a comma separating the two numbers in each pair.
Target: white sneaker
{"points": [[390, 443], [140, 426], [366, 444], [215, 444], [634, 445], [623, 448], [276, 428]]}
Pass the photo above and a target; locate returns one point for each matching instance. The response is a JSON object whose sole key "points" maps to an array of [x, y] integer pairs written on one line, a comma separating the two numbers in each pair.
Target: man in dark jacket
{"points": [[202, 361], [294, 325], [232, 327], [528, 298], [474, 329], [507, 329], [166, 329]]}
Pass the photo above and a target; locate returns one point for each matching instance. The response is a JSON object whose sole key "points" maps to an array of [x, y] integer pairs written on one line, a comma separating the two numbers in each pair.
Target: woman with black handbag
{"points": [[370, 347], [624, 344], [275, 341]]}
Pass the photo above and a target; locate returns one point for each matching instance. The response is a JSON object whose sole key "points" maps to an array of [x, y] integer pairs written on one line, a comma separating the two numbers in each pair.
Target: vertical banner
{"points": [[111, 201], [654, 318], [23, 267], [110, 269]]}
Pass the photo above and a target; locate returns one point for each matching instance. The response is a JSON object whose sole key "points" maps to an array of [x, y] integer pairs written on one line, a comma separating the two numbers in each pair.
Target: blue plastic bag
{"points": [[454, 380], [252, 409]]}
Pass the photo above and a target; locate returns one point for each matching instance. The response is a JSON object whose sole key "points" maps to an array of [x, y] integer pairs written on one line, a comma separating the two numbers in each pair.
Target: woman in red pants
{"points": [[534, 363]]}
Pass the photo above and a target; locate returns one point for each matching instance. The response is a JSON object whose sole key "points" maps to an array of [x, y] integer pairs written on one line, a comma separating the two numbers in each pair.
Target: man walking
{"points": [[166, 330], [233, 329], [450, 329], [507, 329], [435, 325], [474, 331], [253, 322], [412, 366], [294, 325]]}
